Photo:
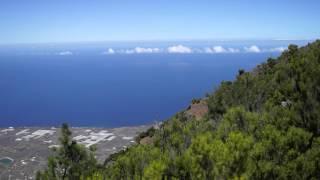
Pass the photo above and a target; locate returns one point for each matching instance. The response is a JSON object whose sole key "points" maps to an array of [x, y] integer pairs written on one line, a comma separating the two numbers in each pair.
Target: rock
{"points": [[146, 140], [198, 110]]}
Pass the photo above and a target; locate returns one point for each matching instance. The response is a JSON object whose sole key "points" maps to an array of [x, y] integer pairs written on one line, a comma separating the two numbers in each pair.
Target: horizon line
{"points": [[162, 40]]}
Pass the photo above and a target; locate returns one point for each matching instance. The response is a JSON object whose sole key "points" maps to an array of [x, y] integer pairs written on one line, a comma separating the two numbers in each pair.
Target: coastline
{"points": [[29, 147]]}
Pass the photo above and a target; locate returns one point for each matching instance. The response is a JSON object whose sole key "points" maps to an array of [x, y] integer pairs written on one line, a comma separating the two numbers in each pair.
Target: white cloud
{"points": [[252, 49], [109, 51], [129, 51], [278, 49], [233, 50], [185, 49], [179, 49], [220, 49], [208, 50], [146, 50], [65, 53], [140, 50]]}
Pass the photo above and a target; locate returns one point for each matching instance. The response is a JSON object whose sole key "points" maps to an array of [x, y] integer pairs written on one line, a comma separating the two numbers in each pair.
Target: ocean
{"points": [[116, 84]]}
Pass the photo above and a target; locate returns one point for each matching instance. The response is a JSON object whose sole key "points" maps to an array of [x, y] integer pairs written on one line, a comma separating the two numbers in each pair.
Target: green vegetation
{"points": [[195, 101], [263, 125], [70, 161]]}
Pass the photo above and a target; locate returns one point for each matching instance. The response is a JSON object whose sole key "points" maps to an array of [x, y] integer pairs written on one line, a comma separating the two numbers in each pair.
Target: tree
{"points": [[70, 160]]}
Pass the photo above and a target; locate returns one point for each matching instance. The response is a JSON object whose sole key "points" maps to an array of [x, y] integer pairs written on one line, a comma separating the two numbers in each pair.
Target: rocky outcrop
{"points": [[197, 109]]}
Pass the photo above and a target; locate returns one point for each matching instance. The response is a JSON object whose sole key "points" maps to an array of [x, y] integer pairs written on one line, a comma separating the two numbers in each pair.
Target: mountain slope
{"points": [[263, 125]]}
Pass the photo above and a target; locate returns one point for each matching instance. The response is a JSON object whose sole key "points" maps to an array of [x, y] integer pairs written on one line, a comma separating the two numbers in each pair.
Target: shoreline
{"points": [[95, 127], [29, 147]]}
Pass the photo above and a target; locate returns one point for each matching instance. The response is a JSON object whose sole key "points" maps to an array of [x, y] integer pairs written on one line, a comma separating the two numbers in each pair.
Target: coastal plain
{"points": [[24, 151]]}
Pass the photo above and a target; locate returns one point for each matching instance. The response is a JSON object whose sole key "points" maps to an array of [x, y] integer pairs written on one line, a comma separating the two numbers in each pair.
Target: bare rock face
{"points": [[198, 109], [146, 140]]}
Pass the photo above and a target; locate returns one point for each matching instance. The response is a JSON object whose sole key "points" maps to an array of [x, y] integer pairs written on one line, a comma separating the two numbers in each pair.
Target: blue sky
{"points": [[41, 21]]}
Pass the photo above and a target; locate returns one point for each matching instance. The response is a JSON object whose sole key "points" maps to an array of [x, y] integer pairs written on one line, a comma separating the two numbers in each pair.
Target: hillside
{"points": [[263, 125]]}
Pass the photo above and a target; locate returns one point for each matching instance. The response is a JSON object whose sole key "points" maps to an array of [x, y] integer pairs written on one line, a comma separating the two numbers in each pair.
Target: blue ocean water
{"points": [[91, 89]]}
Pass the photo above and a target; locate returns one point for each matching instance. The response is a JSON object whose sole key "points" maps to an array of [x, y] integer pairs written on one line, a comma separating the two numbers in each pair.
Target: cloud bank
{"points": [[179, 49], [136, 50], [252, 49], [215, 49], [220, 49], [65, 53], [140, 50], [109, 51], [233, 50]]}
